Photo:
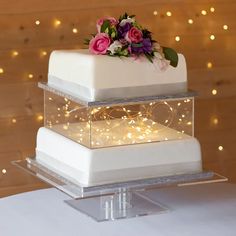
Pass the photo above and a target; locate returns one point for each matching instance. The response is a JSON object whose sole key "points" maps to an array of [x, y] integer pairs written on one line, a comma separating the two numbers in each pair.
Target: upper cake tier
{"points": [[100, 77]]}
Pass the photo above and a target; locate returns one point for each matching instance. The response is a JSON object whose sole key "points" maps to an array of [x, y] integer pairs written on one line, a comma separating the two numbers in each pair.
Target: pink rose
{"points": [[112, 20], [134, 35], [99, 44]]}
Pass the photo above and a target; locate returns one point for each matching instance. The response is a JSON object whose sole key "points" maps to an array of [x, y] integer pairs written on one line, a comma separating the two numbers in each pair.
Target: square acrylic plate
{"points": [[115, 200]]}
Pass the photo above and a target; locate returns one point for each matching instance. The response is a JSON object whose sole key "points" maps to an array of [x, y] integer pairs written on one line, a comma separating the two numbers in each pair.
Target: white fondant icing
{"points": [[120, 163], [101, 76]]}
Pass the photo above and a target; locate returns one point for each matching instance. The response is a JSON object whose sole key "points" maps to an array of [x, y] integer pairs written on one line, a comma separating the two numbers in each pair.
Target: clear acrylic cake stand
{"points": [[116, 200]]}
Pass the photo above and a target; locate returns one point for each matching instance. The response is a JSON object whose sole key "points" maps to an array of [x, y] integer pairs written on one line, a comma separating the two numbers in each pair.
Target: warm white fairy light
{"points": [[39, 117], [57, 23], [204, 12], [67, 114], [155, 13], [215, 121], [65, 127], [177, 38], [1, 70], [129, 135], [14, 53], [75, 31], [214, 91], [209, 65], [212, 9], [168, 13], [187, 100], [13, 120], [4, 171], [108, 129], [43, 53], [37, 22], [190, 21], [212, 37], [225, 27], [220, 148], [30, 76]]}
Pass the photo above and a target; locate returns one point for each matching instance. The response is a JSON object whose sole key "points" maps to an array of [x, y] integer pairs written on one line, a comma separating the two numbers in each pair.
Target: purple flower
{"points": [[144, 46], [122, 30]]}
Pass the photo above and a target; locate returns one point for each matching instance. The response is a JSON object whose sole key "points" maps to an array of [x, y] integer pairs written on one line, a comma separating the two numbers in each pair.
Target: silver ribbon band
{"points": [[91, 94]]}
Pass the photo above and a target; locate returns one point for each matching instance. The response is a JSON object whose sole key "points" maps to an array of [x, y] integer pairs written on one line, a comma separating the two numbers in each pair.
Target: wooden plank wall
{"points": [[25, 48]]}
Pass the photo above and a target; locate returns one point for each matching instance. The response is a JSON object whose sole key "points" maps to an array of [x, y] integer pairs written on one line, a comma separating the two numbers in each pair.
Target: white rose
{"points": [[114, 46], [158, 55], [128, 20]]}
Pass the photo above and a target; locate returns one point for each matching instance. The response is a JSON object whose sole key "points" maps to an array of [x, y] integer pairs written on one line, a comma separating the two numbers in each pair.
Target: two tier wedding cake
{"points": [[121, 80]]}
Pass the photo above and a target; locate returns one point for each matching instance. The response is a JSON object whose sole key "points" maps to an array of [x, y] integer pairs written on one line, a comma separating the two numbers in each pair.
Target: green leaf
{"points": [[105, 26], [113, 33], [122, 17], [149, 57], [171, 55], [106, 31], [86, 41], [137, 45]]}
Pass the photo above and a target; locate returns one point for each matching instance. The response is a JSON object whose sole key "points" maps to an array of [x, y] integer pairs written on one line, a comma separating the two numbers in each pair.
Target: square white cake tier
{"points": [[100, 77], [90, 167]]}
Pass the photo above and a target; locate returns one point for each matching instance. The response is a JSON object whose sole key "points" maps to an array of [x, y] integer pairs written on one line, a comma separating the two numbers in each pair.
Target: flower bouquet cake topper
{"points": [[126, 38]]}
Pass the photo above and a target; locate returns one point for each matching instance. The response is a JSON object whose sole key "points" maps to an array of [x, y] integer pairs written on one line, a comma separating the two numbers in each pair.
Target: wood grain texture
{"points": [[21, 102]]}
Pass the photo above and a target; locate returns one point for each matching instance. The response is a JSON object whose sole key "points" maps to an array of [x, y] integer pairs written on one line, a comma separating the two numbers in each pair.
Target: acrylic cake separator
{"points": [[116, 200]]}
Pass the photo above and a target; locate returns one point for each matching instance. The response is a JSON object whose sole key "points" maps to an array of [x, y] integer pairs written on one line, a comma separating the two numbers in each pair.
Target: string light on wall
{"points": [[75, 31], [43, 53], [14, 53], [204, 12], [212, 37], [215, 121], [225, 27], [4, 171], [30, 76], [37, 22], [168, 13], [13, 120], [190, 21], [177, 38], [214, 91], [1, 71], [212, 9], [220, 148], [209, 65], [155, 13], [57, 23], [39, 118]]}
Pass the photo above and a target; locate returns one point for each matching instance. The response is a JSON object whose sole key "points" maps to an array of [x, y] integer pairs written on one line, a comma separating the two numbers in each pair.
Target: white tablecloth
{"points": [[195, 210]]}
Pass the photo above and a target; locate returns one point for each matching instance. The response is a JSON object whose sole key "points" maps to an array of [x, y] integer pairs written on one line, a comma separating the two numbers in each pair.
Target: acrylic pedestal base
{"points": [[116, 200], [117, 206]]}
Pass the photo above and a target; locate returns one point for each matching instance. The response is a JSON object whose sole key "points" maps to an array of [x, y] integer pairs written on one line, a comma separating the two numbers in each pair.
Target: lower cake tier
{"points": [[89, 167]]}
